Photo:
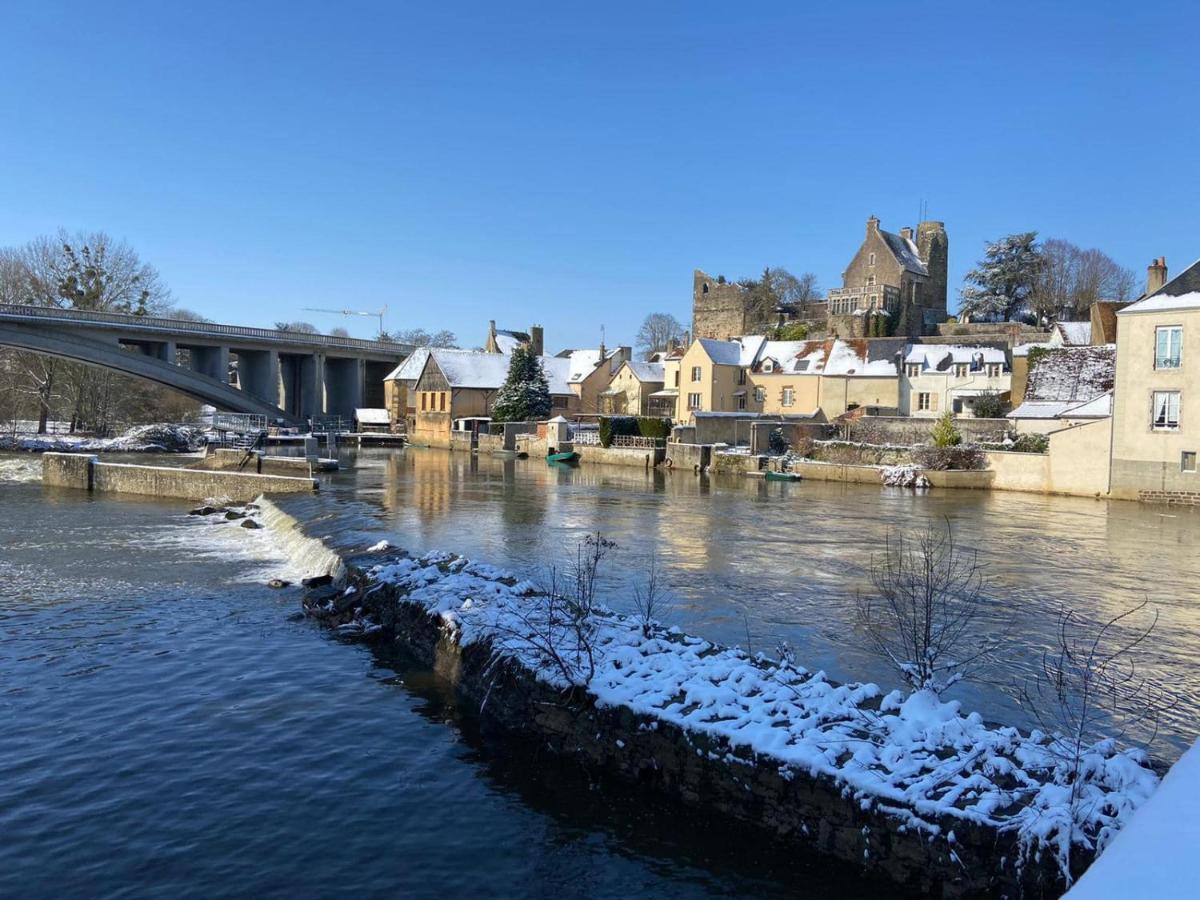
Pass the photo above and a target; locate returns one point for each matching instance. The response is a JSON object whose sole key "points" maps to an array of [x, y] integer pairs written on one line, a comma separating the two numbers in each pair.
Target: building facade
{"points": [[951, 377]]}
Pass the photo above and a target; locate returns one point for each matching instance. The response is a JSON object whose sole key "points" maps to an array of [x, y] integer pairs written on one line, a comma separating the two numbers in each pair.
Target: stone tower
{"points": [[933, 246]]}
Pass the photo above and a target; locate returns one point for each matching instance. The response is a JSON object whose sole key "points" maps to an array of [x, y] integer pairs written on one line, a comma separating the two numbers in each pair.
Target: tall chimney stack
{"points": [[1156, 275], [537, 341], [906, 233], [872, 225]]}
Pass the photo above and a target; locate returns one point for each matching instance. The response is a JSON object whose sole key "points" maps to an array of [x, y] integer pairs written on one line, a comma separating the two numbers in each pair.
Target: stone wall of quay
{"points": [[620, 456], [690, 768], [88, 473], [255, 463]]}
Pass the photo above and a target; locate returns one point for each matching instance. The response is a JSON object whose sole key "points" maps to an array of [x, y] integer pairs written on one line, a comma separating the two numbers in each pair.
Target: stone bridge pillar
{"points": [[344, 382], [258, 374], [211, 361]]}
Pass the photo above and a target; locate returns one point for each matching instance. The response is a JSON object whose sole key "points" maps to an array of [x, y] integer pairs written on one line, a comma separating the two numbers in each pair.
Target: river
{"points": [[171, 725]]}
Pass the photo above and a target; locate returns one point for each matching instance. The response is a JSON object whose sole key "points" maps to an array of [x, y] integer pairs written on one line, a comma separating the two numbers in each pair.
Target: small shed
{"points": [[372, 421]]}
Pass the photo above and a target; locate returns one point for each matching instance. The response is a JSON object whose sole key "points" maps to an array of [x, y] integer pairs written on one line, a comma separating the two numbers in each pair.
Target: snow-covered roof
{"points": [[829, 357], [583, 362], [372, 416], [741, 352], [1096, 408], [410, 369], [1075, 334], [905, 251], [487, 371], [1072, 374], [508, 341], [939, 357], [1039, 409], [646, 371], [1180, 293]]}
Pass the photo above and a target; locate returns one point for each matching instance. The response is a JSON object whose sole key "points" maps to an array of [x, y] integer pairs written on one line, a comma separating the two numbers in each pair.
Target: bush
{"points": [[941, 459], [796, 331], [654, 427], [640, 426], [1031, 443], [945, 432], [991, 405], [776, 443], [803, 446]]}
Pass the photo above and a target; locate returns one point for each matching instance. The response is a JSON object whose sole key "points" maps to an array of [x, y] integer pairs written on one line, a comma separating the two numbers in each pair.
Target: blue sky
{"points": [[569, 163]]}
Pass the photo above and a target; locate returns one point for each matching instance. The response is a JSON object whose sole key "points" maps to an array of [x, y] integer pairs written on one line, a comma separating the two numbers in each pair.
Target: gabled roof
{"points": [[582, 363], [1072, 374], [410, 369], [1181, 292], [829, 357], [487, 371], [646, 372], [508, 341], [1074, 334], [905, 251], [741, 352], [940, 357]]}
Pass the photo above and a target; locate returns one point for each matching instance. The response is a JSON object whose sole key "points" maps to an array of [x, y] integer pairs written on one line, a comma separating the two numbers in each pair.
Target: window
{"points": [[768, 365], [994, 370], [871, 261], [741, 401], [914, 370], [704, 290], [874, 301], [789, 396], [741, 376], [960, 370], [1187, 461], [424, 401], [927, 402], [1168, 346], [760, 394], [676, 378], [870, 279], [558, 401], [1165, 411], [695, 373], [957, 406], [693, 401]]}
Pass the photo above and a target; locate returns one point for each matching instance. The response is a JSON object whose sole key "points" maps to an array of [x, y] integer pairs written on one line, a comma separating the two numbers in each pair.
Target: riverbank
{"points": [[902, 786]]}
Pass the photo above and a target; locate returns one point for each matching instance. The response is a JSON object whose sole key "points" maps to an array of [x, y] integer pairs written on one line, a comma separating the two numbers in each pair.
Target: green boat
{"points": [[569, 456], [783, 476]]}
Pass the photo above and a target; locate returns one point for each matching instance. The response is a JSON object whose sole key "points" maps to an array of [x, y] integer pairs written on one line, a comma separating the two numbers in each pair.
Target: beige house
{"points": [[1156, 415], [714, 376], [665, 402], [588, 373], [951, 377], [458, 387], [399, 391], [629, 391]]}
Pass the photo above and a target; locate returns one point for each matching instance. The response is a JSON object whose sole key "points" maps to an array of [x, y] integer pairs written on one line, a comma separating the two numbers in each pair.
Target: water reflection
{"points": [[760, 562]]}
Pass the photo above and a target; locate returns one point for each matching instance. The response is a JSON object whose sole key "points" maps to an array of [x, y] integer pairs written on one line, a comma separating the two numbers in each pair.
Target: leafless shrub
{"points": [[1087, 697], [650, 597], [939, 459], [924, 612], [559, 624]]}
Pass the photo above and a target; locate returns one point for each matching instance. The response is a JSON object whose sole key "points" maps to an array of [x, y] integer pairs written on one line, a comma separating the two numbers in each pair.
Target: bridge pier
{"points": [[258, 374], [343, 386], [211, 361], [302, 384]]}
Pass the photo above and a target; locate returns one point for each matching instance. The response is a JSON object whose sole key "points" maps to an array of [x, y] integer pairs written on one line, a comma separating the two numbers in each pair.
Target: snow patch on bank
{"points": [[917, 758]]}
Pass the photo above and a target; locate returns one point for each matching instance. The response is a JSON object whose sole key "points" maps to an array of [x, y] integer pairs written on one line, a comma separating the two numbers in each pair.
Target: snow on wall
{"points": [[914, 757]]}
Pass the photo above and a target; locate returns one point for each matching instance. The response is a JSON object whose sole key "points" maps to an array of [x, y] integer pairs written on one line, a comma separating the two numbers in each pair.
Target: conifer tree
{"points": [[1001, 288], [945, 434], [525, 394]]}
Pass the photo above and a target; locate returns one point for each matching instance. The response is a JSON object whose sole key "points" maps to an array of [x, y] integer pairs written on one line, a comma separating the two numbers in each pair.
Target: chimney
{"points": [[872, 225], [1156, 275], [906, 233], [537, 340]]}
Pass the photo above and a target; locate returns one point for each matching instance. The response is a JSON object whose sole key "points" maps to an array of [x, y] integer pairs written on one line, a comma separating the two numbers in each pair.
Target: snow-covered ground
{"points": [[915, 757], [161, 438], [1155, 855]]}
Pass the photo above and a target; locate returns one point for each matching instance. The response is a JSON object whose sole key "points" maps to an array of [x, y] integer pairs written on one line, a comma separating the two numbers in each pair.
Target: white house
{"points": [[938, 377]]}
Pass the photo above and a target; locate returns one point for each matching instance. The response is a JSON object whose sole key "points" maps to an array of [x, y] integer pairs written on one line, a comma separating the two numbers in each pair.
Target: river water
{"points": [[170, 724]]}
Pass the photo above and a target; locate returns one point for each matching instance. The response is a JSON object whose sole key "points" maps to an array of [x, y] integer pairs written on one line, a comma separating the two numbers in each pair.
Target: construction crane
{"points": [[378, 314]]}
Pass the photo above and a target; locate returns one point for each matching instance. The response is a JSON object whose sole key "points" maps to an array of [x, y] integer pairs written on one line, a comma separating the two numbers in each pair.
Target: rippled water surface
{"points": [[171, 725]]}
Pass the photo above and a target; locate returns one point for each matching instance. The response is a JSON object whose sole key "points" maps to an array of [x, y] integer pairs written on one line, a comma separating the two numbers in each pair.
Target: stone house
{"points": [[629, 391], [899, 276], [822, 380], [589, 372], [939, 377], [458, 385], [399, 391], [1156, 414]]}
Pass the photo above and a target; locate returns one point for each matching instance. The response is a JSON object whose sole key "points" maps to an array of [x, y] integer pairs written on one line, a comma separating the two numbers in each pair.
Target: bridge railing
{"points": [[205, 329]]}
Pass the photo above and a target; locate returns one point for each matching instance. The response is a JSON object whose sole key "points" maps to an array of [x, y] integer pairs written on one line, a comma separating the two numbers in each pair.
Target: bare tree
{"points": [[777, 289], [339, 332], [297, 327], [1089, 690], [650, 598], [1071, 279], [926, 609], [419, 337], [658, 332]]}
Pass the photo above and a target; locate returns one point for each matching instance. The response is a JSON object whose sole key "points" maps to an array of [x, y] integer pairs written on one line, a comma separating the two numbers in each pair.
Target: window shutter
{"points": [[933, 402]]}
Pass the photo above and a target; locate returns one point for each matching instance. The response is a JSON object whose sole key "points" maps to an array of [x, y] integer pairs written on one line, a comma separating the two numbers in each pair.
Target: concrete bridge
{"points": [[280, 374]]}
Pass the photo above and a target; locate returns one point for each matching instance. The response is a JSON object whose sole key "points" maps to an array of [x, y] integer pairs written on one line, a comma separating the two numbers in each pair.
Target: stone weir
{"points": [[906, 787]]}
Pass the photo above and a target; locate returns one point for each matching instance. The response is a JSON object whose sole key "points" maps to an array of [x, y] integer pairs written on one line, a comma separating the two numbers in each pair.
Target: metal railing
{"points": [[586, 438], [206, 329], [637, 442]]}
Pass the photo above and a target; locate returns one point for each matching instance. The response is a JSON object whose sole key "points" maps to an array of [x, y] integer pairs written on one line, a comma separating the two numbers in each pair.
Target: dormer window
{"points": [[960, 370], [993, 370], [768, 366]]}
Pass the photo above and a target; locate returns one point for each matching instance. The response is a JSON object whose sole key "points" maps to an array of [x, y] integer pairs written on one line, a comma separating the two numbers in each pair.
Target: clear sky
{"points": [[570, 164]]}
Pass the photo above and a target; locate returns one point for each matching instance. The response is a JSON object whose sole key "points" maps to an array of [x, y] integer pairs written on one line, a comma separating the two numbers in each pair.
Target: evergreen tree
{"points": [[1002, 286], [525, 394], [945, 434]]}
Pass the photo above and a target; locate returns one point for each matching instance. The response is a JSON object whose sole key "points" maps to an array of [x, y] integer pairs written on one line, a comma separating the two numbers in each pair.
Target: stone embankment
{"points": [[86, 472], [906, 787]]}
